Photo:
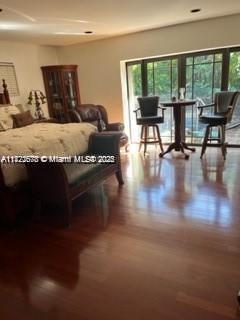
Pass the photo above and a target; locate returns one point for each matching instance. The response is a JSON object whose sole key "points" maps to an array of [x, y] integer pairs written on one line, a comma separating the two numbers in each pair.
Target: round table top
{"points": [[180, 103]]}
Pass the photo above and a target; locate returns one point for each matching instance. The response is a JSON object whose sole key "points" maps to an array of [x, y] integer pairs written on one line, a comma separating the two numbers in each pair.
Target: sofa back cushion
{"points": [[89, 112], [92, 114]]}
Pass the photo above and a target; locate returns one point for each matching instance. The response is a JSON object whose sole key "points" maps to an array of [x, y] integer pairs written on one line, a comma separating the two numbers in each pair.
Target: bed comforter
{"points": [[41, 139]]}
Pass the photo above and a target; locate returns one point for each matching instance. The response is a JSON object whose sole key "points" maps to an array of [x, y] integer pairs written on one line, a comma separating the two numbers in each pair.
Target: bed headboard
{"points": [[4, 95]]}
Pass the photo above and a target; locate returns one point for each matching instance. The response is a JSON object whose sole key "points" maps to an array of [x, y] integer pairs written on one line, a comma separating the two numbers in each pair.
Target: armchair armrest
{"points": [[117, 126], [161, 108], [229, 111], [204, 107], [136, 110], [104, 143], [74, 116]]}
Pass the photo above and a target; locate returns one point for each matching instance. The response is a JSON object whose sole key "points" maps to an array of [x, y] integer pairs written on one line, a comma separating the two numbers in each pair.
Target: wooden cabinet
{"points": [[62, 90]]}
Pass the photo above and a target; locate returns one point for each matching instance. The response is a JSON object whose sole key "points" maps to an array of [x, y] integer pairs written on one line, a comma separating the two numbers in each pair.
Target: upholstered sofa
{"points": [[97, 115]]}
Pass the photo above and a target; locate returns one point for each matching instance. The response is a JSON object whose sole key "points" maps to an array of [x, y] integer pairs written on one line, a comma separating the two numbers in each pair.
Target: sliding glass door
{"points": [[233, 128], [201, 73], [203, 78], [162, 80], [134, 81]]}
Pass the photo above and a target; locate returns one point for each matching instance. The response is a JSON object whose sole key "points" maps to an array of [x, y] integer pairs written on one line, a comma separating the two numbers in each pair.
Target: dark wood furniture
{"points": [[224, 105], [143, 256], [149, 118], [59, 183], [13, 200], [17, 200], [62, 90], [4, 95], [178, 144], [97, 115]]}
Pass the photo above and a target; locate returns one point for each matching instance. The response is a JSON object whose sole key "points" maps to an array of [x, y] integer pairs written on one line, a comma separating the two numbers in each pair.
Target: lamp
{"points": [[37, 97]]}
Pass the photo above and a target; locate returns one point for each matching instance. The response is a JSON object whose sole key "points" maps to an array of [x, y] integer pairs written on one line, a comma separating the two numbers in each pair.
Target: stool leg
{"points": [[154, 134], [145, 138], [219, 135], [223, 144], [119, 176], [204, 146], [141, 139], [210, 135], [159, 138]]}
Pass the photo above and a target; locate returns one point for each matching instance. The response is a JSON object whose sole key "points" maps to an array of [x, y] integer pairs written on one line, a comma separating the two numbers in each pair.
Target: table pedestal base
{"points": [[178, 144], [178, 147]]}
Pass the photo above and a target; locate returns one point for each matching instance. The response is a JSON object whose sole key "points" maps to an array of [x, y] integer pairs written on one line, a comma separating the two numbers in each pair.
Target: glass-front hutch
{"points": [[62, 90]]}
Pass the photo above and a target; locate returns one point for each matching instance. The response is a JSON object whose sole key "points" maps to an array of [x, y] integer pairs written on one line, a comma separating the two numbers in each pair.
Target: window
{"points": [[162, 80], [201, 73], [7, 72], [233, 128], [234, 71], [134, 80], [203, 78]]}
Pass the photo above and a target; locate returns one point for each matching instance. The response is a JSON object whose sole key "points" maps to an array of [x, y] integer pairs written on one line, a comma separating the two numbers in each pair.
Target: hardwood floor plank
{"points": [[207, 305], [164, 246]]}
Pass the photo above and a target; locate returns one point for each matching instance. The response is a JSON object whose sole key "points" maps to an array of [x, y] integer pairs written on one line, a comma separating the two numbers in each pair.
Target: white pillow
{"points": [[6, 120]]}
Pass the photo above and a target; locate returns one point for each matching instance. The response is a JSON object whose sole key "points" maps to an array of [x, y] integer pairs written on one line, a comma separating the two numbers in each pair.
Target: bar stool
{"points": [[224, 105], [149, 118]]}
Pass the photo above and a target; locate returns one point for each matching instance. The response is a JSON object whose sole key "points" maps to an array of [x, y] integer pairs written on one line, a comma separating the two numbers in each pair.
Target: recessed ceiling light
{"points": [[88, 32], [195, 10]]}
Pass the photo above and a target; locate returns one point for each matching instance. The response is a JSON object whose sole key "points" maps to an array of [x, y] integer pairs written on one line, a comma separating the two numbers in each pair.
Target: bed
{"points": [[37, 139]]}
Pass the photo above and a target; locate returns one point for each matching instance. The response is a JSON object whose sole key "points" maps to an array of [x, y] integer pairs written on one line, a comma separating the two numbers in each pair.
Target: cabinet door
{"points": [[70, 89], [55, 95]]}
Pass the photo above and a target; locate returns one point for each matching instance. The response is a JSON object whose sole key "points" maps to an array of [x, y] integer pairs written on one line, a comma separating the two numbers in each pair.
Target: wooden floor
{"points": [[164, 246]]}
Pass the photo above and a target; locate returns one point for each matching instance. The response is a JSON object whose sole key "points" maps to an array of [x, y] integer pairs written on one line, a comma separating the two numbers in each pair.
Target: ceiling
{"points": [[58, 22]]}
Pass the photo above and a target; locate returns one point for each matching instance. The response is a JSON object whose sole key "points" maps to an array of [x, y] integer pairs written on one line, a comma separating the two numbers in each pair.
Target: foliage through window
{"points": [[201, 73]]}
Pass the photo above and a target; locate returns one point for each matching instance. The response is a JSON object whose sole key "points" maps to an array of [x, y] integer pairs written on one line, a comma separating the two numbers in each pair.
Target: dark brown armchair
{"points": [[97, 115]]}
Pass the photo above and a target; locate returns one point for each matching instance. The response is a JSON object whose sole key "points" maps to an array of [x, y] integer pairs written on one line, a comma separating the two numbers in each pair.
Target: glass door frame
{"points": [[224, 84], [182, 72], [129, 64]]}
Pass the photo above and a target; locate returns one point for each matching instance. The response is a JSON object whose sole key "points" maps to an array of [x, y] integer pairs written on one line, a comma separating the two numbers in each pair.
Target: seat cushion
{"points": [[123, 136], [77, 173], [214, 120], [149, 120]]}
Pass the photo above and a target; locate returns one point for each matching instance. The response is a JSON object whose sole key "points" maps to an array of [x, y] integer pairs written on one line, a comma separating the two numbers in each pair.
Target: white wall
{"points": [[99, 61], [27, 59]]}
